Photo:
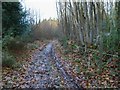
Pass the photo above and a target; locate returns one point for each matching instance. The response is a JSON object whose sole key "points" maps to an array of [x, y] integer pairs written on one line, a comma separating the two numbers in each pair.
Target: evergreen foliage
{"points": [[14, 25], [13, 19]]}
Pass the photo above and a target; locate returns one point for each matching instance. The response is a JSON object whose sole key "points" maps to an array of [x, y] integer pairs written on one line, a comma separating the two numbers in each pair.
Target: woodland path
{"points": [[46, 70]]}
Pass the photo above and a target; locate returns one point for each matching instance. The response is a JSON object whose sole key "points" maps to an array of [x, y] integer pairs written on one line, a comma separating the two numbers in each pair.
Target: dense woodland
{"points": [[87, 32], [92, 24], [91, 29]]}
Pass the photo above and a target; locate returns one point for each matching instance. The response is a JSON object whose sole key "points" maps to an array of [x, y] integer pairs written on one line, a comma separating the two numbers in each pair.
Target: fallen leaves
{"points": [[73, 63], [16, 77], [93, 76]]}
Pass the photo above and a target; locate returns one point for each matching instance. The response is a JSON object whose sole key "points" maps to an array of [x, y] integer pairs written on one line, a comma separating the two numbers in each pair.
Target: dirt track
{"points": [[46, 70]]}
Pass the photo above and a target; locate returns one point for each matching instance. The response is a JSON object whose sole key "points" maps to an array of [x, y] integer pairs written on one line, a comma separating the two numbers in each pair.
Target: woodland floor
{"points": [[46, 67]]}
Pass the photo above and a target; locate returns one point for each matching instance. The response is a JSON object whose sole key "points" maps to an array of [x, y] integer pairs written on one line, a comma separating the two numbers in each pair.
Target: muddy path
{"points": [[46, 70]]}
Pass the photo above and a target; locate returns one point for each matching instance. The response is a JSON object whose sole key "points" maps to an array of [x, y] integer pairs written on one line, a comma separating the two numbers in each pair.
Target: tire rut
{"points": [[46, 70]]}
